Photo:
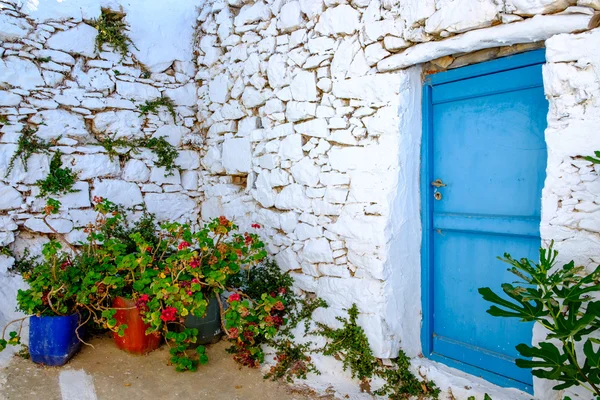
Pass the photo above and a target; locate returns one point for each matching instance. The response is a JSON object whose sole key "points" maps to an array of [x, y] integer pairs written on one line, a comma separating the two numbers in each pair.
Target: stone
{"points": [[184, 95], [55, 55], [20, 72], [13, 28], [315, 127], [461, 15], [237, 155], [277, 71], [10, 198], [311, 8], [291, 197], [95, 79], [393, 43], [90, 166], [136, 171], [375, 53], [9, 99], [161, 176], [127, 194], [188, 159], [137, 91], [416, 11], [287, 260], [291, 148], [534, 7], [121, 124], [317, 250], [384, 121], [343, 57], [374, 88], [304, 86], [189, 180], [218, 88], [60, 225], [299, 111], [290, 17], [249, 14], [59, 123], [306, 172], [79, 40], [252, 97], [172, 134], [377, 30], [340, 20], [176, 207]]}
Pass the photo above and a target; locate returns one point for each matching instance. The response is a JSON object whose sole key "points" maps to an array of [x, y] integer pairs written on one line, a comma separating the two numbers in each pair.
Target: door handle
{"points": [[438, 183]]}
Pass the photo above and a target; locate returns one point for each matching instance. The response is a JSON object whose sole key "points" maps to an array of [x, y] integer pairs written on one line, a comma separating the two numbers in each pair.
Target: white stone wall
{"points": [[314, 101], [301, 115], [74, 98]]}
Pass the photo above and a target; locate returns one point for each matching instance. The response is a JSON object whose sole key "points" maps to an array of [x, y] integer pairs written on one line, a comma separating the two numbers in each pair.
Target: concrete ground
{"points": [[107, 373]]}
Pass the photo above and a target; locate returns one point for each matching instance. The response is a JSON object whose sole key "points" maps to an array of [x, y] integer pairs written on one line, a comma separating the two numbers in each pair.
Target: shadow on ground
{"points": [[119, 375]]}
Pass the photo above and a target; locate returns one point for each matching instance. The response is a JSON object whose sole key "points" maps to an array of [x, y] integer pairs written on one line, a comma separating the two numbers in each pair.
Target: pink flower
{"points": [[233, 333], [189, 293], [194, 263], [234, 297], [168, 314], [195, 280], [183, 245]]}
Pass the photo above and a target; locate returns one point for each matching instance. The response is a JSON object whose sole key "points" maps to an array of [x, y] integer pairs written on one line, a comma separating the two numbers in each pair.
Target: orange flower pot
{"points": [[135, 339]]}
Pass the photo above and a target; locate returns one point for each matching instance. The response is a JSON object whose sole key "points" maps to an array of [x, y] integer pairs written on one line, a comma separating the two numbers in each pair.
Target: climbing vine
{"points": [[111, 30], [153, 105], [59, 180], [166, 153], [27, 145]]}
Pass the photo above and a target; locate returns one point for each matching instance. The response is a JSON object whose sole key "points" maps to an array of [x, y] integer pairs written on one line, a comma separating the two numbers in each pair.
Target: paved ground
{"points": [[107, 373]]}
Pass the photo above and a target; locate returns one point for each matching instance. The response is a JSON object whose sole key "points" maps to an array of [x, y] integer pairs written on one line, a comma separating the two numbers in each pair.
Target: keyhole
{"points": [[437, 196]]}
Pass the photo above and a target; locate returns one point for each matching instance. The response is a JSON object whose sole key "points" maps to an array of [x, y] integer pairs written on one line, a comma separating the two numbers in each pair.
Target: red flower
{"points": [[223, 220], [269, 320], [144, 298], [189, 293], [233, 333], [98, 199], [247, 239], [140, 304], [168, 314], [234, 297], [238, 252], [65, 264], [255, 226], [282, 290], [183, 245], [194, 263], [278, 321], [195, 280], [148, 249], [278, 306]]}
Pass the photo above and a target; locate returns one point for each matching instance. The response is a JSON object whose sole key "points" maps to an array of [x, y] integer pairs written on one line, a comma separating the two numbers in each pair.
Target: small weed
{"points": [[4, 120], [27, 145], [111, 30], [292, 361], [59, 180], [43, 59], [23, 264], [166, 153], [153, 105]]}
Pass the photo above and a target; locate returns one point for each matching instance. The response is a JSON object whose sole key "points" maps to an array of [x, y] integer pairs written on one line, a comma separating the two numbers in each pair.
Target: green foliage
{"points": [[111, 30], [43, 59], [487, 397], [59, 180], [27, 145], [4, 120], [165, 152], [151, 106], [180, 357], [403, 384], [595, 160], [293, 361], [563, 301], [24, 264], [350, 344]]}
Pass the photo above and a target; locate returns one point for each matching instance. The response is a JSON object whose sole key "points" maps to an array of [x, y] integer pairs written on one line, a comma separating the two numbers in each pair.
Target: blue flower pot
{"points": [[52, 340]]}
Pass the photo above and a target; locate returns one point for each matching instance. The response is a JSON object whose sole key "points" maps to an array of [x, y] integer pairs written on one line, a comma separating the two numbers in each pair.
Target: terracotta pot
{"points": [[135, 339]]}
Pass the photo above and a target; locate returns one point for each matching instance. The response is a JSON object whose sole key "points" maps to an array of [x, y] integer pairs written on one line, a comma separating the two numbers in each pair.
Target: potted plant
{"points": [[187, 271]]}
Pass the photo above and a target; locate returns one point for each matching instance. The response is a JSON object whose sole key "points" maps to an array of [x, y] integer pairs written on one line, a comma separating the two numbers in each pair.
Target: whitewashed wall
{"points": [[307, 120]]}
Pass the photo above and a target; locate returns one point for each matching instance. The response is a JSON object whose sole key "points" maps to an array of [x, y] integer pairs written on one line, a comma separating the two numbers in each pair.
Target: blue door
{"points": [[483, 168]]}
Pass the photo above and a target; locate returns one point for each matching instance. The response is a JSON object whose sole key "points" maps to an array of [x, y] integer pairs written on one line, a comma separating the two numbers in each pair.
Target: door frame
{"points": [[534, 57]]}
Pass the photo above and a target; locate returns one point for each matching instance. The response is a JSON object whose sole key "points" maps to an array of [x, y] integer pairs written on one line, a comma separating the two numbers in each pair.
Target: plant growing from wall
{"points": [[165, 152], [27, 145], [152, 106], [350, 345], [59, 180], [563, 301], [111, 31]]}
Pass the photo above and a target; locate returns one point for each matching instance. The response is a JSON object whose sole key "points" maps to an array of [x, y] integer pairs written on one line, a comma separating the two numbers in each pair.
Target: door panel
{"points": [[484, 139]]}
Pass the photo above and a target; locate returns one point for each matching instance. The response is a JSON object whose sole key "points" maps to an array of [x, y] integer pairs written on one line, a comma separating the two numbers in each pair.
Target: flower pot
{"points": [[209, 326], [53, 340], [135, 339]]}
